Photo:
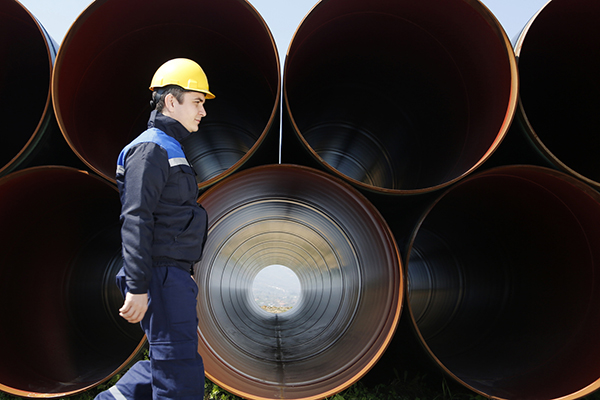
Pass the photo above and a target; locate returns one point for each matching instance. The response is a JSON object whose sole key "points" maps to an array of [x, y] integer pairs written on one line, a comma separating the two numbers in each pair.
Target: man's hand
{"points": [[134, 308]]}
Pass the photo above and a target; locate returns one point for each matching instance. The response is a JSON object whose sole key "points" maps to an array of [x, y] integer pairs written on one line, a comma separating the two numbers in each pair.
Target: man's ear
{"points": [[170, 101]]}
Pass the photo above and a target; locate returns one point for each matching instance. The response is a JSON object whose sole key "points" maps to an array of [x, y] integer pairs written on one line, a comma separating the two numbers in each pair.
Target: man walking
{"points": [[163, 233]]}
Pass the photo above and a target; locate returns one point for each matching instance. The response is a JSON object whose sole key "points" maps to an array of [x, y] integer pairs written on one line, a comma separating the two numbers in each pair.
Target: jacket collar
{"points": [[168, 125]]}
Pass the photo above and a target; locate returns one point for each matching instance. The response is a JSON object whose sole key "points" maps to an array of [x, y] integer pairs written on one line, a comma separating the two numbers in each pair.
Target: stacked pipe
{"points": [[485, 260], [30, 136], [66, 247], [502, 288], [406, 103], [61, 251], [559, 85], [387, 209], [102, 104], [348, 265]]}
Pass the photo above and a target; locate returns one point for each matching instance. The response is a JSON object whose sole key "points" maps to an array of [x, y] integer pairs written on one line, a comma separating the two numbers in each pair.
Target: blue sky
{"points": [[282, 16]]}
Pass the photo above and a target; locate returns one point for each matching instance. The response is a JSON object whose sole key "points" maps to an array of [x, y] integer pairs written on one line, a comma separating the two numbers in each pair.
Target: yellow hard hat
{"points": [[182, 72]]}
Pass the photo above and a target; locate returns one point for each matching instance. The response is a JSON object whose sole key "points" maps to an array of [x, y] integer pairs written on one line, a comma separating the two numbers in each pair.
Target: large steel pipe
{"points": [[27, 55], [109, 55], [61, 333], [558, 66], [399, 97], [502, 284], [348, 266]]}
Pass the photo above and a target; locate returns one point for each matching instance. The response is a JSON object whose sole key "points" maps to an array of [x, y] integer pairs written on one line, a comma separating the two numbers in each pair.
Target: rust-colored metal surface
{"points": [[108, 57], [502, 284], [399, 97], [558, 66], [26, 56], [61, 332], [349, 269]]}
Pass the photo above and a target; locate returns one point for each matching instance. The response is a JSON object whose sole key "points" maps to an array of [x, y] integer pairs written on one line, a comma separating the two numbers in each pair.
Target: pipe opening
{"points": [[26, 76], [406, 102], [230, 41], [559, 85], [62, 333], [276, 289], [345, 260], [501, 284]]}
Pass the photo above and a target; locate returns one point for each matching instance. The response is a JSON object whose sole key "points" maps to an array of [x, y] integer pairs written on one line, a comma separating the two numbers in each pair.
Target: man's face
{"points": [[190, 111]]}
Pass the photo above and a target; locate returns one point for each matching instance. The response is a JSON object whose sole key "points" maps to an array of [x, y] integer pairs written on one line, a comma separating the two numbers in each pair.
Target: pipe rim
{"points": [[47, 112], [522, 118], [62, 174], [232, 381], [508, 116], [513, 171], [63, 54]]}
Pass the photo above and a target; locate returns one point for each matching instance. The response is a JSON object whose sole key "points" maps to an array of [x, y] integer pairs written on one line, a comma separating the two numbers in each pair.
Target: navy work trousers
{"points": [[175, 369]]}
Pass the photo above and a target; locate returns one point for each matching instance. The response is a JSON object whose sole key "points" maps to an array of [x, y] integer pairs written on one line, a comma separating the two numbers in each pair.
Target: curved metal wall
{"points": [[102, 102], [61, 332], [558, 67], [348, 265], [27, 112], [400, 97], [502, 287]]}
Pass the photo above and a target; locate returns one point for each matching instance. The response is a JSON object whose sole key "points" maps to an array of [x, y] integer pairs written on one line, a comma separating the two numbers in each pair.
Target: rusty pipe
{"points": [[61, 332], [559, 67], [27, 53], [348, 265], [100, 85], [502, 284], [416, 95]]}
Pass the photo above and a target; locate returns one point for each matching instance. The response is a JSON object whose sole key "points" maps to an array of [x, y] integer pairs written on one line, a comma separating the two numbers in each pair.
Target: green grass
{"points": [[403, 387], [415, 388]]}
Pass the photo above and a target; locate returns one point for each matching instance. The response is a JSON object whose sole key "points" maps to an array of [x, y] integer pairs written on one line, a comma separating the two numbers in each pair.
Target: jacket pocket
{"points": [[189, 242], [188, 187]]}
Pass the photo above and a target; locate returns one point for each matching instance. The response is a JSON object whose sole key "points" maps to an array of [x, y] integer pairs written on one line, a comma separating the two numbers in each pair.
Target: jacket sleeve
{"points": [[146, 169]]}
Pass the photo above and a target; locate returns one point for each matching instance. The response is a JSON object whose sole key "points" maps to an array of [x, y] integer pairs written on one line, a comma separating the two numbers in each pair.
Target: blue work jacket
{"points": [[161, 221]]}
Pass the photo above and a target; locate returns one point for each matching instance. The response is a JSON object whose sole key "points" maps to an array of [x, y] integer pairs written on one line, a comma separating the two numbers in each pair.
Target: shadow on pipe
{"points": [[100, 86], [398, 97], [502, 284], [349, 270], [61, 333], [558, 66], [30, 135]]}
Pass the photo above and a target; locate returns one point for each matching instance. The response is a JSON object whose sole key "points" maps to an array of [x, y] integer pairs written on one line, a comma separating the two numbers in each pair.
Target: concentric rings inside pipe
{"points": [[502, 284], [61, 332], [27, 55], [107, 60], [400, 97], [558, 66], [348, 266]]}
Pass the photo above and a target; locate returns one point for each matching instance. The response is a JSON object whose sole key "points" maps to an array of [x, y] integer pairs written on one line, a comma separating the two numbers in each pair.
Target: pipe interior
{"points": [[415, 95], [502, 284], [25, 72], [559, 83], [59, 303], [345, 259], [102, 76]]}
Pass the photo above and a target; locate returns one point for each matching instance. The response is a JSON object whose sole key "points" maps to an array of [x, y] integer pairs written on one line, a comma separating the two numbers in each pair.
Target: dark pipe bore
{"points": [[61, 333], [399, 97], [558, 66], [502, 284], [27, 55], [108, 58]]}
